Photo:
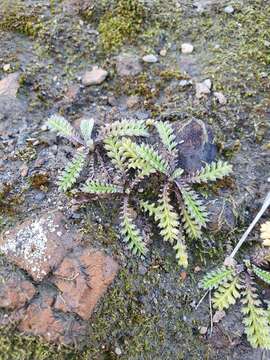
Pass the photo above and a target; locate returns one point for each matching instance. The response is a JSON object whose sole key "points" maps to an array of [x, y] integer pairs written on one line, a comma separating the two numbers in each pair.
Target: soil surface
{"points": [[48, 52]]}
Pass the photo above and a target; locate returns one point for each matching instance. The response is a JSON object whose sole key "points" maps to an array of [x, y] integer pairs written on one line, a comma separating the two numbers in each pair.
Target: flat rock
{"points": [[9, 85], [220, 98], [15, 290], [196, 146], [41, 320], [150, 58], [37, 246], [128, 65], [187, 48], [203, 88], [221, 215], [94, 77], [82, 278]]}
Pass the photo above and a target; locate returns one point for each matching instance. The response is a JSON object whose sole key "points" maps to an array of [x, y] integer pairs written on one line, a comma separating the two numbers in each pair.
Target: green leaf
{"points": [[212, 172], [151, 208], [130, 232], [217, 277], [113, 147], [86, 128], [63, 128], [98, 187], [167, 218], [143, 157], [124, 128], [72, 171], [166, 133], [255, 319], [191, 227], [181, 252], [177, 173], [226, 294], [194, 206], [262, 274]]}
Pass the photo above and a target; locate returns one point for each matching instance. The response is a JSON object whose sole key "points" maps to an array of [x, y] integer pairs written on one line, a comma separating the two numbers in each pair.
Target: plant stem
{"points": [[265, 205]]}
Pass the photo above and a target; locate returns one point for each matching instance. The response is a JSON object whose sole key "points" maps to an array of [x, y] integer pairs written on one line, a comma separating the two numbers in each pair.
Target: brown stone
{"points": [[41, 320], [38, 245], [196, 146], [221, 215], [15, 291], [9, 85], [82, 278]]}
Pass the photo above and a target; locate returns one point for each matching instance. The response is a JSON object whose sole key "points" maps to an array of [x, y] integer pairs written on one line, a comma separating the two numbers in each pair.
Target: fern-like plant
{"points": [[177, 209], [231, 283]]}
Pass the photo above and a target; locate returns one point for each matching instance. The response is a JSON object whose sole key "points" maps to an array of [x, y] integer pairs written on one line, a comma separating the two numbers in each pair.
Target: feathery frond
{"points": [[151, 208], [212, 172], [177, 173], [217, 277], [124, 128], [167, 136], [98, 187], [255, 319], [63, 128], [181, 252], [143, 157], [167, 217], [194, 206], [192, 229], [70, 174], [227, 294], [86, 128], [262, 274], [113, 147], [130, 232]]}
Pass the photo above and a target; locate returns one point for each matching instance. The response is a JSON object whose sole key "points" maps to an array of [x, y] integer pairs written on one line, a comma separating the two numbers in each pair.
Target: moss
{"points": [[15, 16], [121, 23]]}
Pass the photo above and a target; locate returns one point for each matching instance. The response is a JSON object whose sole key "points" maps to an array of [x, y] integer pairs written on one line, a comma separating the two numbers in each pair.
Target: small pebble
{"points": [[163, 52], [150, 58], [118, 351], [229, 9], [208, 83], [6, 67], [220, 98], [187, 48], [94, 77], [203, 330]]}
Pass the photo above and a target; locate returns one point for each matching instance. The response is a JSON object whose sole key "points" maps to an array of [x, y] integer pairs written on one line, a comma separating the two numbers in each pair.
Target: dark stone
{"points": [[195, 144]]}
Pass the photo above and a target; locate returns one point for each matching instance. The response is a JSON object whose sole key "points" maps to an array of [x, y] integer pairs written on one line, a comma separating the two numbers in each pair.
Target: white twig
{"points": [[265, 205], [211, 313], [199, 303]]}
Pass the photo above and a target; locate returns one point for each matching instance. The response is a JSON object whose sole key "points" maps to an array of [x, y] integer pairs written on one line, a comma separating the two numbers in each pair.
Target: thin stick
{"points": [[211, 314], [265, 205], [199, 303]]}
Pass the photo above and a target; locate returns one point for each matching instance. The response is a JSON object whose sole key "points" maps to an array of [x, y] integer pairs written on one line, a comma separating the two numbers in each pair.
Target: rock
{"points": [[220, 98], [150, 58], [203, 88], [37, 246], [196, 146], [221, 215], [94, 77], [41, 320], [184, 82], [6, 67], [15, 290], [203, 330], [229, 9], [10, 85], [118, 351], [187, 48], [163, 52], [132, 101], [72, 93], [83, 277], [128, 65]]}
